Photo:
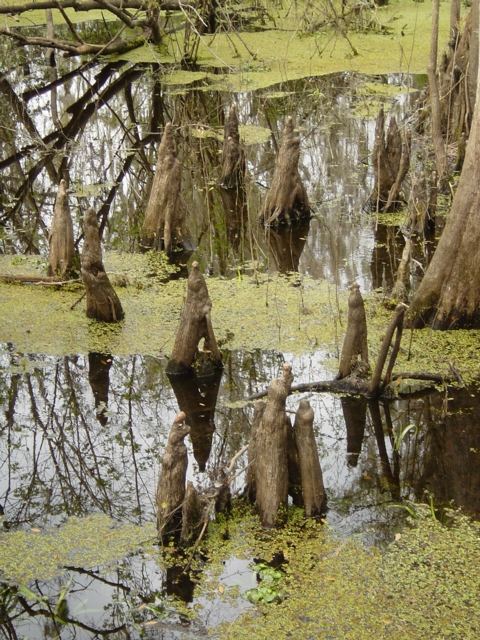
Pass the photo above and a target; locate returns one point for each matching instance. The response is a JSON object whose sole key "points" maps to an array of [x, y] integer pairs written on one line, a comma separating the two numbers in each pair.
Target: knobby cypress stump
{"points": [[193, 514], [102, 301], [391, 157], [313, 491], [195, 324], [171, 484], [355, 345], [61, 245], [271, 457], [165, 212], [287, 200], [252, 450], [233, 157]]}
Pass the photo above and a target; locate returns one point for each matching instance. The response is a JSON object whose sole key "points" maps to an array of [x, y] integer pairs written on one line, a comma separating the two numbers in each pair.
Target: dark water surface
{"points": [[85, 434]]}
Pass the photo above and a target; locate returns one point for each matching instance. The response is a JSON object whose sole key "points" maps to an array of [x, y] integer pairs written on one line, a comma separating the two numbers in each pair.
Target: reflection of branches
{"points": [[48, 613]]}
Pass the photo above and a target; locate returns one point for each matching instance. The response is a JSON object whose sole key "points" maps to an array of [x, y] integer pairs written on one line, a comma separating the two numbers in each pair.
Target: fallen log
{"points": [[47, 281]]}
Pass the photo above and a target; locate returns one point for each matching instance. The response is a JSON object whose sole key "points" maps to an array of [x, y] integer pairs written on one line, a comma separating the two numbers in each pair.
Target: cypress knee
{"points": [[233, 158], [61, 246], [165, 212], [195, 324], [102, 301], [171, 484], [287, 200], [271, 460], [313, 491], [355, 341]]}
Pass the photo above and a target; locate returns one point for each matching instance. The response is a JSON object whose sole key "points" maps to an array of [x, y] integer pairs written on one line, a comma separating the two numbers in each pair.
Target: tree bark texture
{"points": [[171, 484], [252, 450], [313, 490], [457, 83], [193, 514], [391, 156], [195, 324], [355, 345], [271, 458], [233, 157], [449, 294], [433, 84], [165, 211], [287, 200], [62, 249], [102, 301], [422, 201]]}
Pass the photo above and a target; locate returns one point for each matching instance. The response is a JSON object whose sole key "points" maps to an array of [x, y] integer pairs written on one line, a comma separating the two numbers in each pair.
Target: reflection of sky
{"points": [[334, 164], [42, 479], [66, 462]]}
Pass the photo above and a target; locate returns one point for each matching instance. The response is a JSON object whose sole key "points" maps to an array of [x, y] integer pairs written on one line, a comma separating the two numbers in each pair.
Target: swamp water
{"points": [[82, 435]]}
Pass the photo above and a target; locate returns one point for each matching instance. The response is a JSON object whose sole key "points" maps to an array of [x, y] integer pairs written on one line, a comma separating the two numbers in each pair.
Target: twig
{"points": [[78, 301]]}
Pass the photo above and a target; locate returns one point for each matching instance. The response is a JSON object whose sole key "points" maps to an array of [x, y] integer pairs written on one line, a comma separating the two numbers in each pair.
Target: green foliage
{"points": [[270, 588]]}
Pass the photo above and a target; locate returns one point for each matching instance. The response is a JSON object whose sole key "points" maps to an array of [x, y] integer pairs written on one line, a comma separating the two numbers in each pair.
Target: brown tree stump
{"points": [[233, 157], [102, 301], [62, 249], [422, 201], [313, 491], [287, 200], [197, 398], [271, 458], [164, 216], [195, 324], [171, 484], [355, 343], [193, 514], [252, 450], [391, 157]]}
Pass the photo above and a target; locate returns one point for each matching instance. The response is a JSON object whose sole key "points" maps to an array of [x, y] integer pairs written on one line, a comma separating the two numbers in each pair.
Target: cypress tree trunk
{"points": [[449, 294]]}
